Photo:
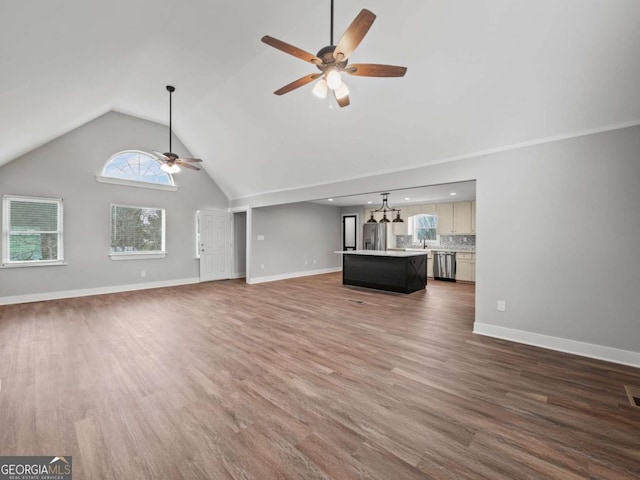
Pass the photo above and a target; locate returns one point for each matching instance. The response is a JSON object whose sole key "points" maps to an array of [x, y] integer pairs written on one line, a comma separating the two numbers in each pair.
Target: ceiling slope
{"points": [[481, 76]]}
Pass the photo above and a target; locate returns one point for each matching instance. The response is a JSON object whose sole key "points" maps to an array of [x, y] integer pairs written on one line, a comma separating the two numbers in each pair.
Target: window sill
{"points": [[131, 183], [33, 264], [137, 256]]}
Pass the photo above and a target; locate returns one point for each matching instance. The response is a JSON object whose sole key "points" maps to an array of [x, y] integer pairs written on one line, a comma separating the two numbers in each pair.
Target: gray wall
{"points": [[293, 234], [66, 167], [240, 243], [557, 233]]}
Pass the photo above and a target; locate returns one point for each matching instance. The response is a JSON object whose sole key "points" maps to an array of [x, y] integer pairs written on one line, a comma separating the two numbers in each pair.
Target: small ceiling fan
{"points": [[332, 61], [171, 161]]}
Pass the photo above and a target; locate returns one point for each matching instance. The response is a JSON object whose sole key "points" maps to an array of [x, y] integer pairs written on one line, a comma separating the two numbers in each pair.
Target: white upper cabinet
{"points": [[429, 209], [462, 217], [401, 228], [414, 210], [445, 218], [454, 218]]}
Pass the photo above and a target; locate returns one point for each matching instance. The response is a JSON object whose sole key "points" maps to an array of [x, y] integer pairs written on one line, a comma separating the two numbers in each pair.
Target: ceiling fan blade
{"points": [[161, 156], [186, 165], [298, 83], [291, 50], [189, 159], [373, 70], [354, 35], [343, 101]]}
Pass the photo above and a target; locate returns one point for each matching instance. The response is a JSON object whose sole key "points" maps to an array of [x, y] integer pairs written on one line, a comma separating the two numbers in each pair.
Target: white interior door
{"points": [[215, 245]]}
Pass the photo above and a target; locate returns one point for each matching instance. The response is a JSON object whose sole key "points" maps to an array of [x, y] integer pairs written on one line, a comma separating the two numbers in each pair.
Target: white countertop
{"points": [[384, 253], [435, 249]]}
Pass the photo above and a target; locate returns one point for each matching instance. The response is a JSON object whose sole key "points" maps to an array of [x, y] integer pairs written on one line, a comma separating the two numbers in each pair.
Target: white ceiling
{"points": [[481, 75], [409, 196]]}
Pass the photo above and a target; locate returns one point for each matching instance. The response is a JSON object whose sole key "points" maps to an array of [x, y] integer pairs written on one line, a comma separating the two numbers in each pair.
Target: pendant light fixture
{"points": [[384, 209]]}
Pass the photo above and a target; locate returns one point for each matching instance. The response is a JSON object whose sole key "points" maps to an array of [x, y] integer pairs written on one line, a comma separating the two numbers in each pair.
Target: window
{"points": [[423, 227], [31, 231], [138, 169], [137, 232]]}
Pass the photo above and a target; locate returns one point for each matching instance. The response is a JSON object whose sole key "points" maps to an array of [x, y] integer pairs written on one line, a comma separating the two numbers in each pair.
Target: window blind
{"points": [[136, 229], [33, 229]]}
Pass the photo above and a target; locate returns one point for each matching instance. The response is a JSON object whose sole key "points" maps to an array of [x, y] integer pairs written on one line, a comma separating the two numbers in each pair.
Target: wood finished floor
{"points": [[303, 379]]}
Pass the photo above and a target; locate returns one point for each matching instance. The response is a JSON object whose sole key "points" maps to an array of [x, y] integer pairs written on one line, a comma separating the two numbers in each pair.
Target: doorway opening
{"points": [[349, 232], [239, 245]]}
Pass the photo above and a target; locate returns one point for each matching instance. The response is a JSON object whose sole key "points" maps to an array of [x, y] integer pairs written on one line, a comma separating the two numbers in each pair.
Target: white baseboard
{"points": [[591, 350], [238, 275], [40, 297], [285, 276]]}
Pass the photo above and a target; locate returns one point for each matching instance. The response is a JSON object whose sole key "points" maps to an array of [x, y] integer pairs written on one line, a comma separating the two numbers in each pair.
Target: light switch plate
{"points": [[260, 237], [502, 306]]}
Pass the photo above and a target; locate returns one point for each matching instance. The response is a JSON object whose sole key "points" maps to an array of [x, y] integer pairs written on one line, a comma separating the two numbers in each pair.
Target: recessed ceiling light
{"points": [[453, 193], [330, 199], [407, 198], [369, 201]]}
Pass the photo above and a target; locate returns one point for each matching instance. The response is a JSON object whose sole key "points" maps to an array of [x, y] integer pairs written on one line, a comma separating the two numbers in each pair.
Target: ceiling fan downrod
{"points": [[331, 33], [170, 89]]}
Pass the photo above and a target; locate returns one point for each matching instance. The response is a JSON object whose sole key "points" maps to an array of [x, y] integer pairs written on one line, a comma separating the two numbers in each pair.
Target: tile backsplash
{"points": [[403, 241], [453, 242], [458, 242]]}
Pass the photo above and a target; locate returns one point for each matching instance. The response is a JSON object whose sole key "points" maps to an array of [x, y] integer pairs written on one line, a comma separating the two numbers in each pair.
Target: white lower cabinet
{"points": [[466, 267], [430, 265]]}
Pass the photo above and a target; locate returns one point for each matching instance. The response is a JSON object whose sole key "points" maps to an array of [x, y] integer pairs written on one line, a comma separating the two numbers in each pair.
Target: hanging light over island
{"points": [[384, 209]]}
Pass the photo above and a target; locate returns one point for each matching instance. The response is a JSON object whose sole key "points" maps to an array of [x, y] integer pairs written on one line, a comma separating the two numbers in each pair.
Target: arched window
{"points": [[136, 166]]}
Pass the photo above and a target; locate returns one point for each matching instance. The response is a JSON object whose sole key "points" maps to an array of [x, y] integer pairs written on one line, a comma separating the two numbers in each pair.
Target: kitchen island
{"points": [[394, 271]]}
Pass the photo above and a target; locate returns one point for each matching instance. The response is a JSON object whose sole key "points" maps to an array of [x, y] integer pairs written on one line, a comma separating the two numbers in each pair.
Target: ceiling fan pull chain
{"points": [[170, 117]]}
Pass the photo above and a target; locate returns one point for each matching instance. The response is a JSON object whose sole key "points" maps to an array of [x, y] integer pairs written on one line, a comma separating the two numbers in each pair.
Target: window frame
{"points": [[412, 220], [139, 255], [6, 232], [102, 178]]}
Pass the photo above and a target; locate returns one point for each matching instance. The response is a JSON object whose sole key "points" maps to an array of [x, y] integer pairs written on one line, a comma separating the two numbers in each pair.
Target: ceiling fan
{"points": [[333, 59], [171, 161]]}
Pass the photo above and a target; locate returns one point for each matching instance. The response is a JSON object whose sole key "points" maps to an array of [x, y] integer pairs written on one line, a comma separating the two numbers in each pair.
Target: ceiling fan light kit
{"points": [[332, 61], [173, 168], [321, 88], [171, 162]]}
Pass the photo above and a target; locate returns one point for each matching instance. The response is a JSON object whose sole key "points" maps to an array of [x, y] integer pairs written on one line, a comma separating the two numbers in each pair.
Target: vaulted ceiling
{"points": [[481, 75]]}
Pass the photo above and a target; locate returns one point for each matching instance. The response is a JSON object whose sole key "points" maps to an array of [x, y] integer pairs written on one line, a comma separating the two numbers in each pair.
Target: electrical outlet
{"points": [[306, 262], [314, 262], [262, 266], [143, 273], [502, 305], [260, 237]]}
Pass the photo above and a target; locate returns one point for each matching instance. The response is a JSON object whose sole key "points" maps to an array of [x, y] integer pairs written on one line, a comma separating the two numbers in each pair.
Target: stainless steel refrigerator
{"points": [[375, 236]]}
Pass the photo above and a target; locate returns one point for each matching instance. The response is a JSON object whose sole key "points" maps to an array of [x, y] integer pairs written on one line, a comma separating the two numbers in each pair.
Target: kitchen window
{"points": [[31, 231], [137, 232], [422, 228]]}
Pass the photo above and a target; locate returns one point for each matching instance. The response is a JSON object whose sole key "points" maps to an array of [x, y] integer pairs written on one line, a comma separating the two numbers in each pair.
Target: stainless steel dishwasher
{"points": [[444, 266]]}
